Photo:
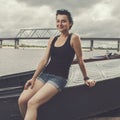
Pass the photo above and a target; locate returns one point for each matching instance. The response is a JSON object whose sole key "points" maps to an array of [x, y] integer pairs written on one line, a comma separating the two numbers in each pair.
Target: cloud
{"points": [[100, 21], [91, 17], [100, 29], [116, 9], [74, 6], [15, 16], [62, 3]]}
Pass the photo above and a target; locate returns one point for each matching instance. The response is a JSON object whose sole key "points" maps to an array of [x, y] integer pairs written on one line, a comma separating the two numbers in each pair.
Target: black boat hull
{"points": [[72, 103]]}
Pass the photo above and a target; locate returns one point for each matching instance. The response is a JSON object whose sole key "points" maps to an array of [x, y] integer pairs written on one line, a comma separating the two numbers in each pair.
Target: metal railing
{"points": [[91, 47]]}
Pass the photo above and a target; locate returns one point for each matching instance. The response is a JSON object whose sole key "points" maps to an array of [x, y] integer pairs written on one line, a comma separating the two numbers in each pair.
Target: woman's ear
{"points": [[70, 25]]}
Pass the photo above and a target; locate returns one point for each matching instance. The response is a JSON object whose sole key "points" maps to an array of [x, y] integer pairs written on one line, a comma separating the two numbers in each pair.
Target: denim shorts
{"points": [[57, 81]]}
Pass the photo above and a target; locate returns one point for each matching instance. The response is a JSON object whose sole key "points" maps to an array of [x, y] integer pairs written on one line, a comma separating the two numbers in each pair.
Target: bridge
{"points": [[46, 33]]}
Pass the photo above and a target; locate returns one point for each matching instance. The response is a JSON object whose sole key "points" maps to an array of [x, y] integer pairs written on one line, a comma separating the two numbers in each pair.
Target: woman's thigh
{"points": [[28, 93], [44, 95]]}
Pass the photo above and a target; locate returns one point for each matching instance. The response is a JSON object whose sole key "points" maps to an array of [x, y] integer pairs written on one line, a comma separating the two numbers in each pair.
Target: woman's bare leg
{"points": [[42, 96], [26, 95]]}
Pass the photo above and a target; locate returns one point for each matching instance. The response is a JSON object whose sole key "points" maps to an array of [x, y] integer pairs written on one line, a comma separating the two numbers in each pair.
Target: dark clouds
{"points": [[116, 10], [92, 18], [73, 5], [61, 3], [100, 29]]}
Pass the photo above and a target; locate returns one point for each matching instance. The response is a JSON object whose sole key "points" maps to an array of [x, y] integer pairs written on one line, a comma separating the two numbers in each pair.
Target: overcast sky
{"points": [[92, 18]]}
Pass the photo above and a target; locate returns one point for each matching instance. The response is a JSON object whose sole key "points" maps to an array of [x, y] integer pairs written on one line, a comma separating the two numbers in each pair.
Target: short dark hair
{"points": [[67, 13]]}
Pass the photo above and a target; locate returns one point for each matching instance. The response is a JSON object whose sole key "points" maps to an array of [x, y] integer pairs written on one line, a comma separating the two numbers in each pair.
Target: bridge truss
{"points": [[37, 33]]}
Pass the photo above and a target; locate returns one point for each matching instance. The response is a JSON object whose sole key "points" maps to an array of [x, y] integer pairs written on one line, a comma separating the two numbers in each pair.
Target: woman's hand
{"points": [[90, 82], [29, 83]]}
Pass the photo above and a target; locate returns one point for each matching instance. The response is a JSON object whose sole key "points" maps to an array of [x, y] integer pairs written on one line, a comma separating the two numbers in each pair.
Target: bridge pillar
{"points": [[91, 45], [118, 48], [0, 43], [16, 43]]}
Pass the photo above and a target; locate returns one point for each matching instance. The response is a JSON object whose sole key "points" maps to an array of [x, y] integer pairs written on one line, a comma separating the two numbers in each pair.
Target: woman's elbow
{"points": [[81, 61]]}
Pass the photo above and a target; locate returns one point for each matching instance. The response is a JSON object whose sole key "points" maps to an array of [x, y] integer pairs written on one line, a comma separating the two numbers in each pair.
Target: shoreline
{"points": [[43, 47]]}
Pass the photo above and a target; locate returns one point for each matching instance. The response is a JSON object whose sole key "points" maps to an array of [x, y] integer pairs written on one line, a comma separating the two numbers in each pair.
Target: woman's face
{"points": [[62, 23]]}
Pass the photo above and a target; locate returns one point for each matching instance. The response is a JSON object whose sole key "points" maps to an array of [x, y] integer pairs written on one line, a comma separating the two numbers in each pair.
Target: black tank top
{"points": [[60, 58]]}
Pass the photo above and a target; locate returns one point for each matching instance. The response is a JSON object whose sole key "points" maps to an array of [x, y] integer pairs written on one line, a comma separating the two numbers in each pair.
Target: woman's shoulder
{"points": [[51, 39], [75, 37]]}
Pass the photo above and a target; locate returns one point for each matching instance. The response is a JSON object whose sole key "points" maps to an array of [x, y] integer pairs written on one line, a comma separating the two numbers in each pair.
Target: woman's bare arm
{"points": [[43, 61], [76, 44]]}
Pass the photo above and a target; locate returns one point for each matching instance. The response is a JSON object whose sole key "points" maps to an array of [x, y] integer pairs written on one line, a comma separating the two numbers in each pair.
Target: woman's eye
{"points": [[63, 21]]}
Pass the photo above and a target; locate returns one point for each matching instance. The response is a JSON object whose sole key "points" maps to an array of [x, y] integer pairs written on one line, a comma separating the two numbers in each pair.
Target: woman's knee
{"points": [[32, 104], [22, 100]]}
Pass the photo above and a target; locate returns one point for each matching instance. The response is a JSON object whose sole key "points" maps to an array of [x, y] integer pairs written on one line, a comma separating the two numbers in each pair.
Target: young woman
{"points": [[52, 73]]}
